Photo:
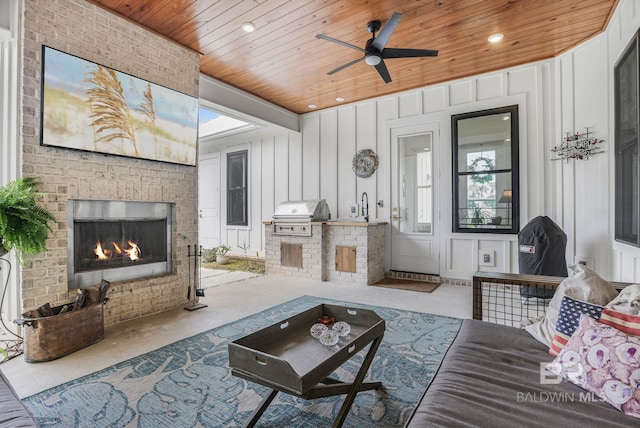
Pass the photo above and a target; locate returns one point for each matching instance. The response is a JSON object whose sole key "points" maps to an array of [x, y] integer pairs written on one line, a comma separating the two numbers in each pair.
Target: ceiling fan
{"points": [[375, 52]]}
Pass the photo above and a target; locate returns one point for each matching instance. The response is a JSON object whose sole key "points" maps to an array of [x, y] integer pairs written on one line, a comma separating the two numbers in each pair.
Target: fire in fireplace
{"points": [[109, 243], [117, 240]]}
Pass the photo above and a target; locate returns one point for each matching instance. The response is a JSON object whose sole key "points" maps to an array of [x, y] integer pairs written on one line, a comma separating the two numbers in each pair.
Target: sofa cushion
{"points": [[585, 285], [604, 361], [493, 376], [568, 320], [627, 323], [13, 414]]}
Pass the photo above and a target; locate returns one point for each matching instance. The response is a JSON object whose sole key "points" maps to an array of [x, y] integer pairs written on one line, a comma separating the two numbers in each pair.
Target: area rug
{"points": [[407, 284], [188, 383]]}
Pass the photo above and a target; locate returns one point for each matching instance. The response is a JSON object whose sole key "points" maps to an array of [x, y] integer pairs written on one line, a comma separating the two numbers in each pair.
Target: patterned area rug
{"points": [[188, 383]]}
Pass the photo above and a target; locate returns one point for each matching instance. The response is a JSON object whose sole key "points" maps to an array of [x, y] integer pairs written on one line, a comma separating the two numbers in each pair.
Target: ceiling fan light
{"points": [[495, 38], [372, 59], [248, 26]]}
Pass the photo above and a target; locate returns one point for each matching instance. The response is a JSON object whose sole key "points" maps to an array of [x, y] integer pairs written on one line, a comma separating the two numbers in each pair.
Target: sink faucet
{"points": [[365, 207]]}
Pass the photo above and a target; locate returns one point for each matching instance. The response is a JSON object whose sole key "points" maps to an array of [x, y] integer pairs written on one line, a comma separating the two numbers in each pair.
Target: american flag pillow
{"points": [[625, 323], [569, 319]]}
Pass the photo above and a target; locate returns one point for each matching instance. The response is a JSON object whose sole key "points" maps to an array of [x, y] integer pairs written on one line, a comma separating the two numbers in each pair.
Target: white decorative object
{"points": [[318, 330], [342, 328]]}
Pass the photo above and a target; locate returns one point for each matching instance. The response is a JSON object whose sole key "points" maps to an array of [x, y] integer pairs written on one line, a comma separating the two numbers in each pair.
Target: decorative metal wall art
{"points": [[577, 146], [365, 163]]}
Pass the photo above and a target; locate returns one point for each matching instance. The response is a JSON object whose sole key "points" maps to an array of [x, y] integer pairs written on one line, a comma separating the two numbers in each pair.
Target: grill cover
{"points": [[316, 210], [542, 245]]}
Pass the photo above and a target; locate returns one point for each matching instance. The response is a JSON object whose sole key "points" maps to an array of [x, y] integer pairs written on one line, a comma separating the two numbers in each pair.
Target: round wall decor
{"points": [[365, 163]]}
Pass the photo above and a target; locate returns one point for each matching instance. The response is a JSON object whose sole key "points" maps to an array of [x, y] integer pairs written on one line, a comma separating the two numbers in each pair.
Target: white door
{"points": [[209, 200], [414, 214]]}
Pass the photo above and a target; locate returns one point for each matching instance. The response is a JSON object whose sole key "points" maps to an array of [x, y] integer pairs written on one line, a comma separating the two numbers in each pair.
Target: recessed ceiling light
{"points": [[339, 99], [495, 38], [248, 26], [312, 106], [506, 118]]}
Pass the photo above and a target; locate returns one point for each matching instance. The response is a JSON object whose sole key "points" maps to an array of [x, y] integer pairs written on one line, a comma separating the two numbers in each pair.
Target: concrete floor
{"points": [[229, 296]]}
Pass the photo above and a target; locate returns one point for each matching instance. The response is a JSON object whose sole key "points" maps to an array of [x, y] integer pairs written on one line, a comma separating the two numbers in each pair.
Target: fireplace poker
{"points": [[189, 269], [199, 291]]}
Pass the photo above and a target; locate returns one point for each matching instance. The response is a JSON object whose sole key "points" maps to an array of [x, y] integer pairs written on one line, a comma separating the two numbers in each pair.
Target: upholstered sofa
{"points": [[13, 414], [494, 375]]}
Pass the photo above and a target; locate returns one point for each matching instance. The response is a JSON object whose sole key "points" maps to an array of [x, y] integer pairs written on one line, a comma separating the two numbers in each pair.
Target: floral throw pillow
{"points": [[570, 311], [604, 361]]}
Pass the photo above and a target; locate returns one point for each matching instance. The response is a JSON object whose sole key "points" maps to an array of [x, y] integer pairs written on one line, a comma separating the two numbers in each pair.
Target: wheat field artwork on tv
{"points": [[87, 106]]}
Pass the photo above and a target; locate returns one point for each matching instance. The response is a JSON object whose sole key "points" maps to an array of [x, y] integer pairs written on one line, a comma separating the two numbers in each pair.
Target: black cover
{"points": [[541, 251]]}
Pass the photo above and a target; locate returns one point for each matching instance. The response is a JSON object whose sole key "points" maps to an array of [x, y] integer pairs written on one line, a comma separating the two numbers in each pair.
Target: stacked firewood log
{"points": [[86, 297]]}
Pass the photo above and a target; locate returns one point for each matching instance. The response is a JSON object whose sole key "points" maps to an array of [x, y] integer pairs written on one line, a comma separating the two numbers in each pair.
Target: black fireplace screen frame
{"points": [[117, 223]]}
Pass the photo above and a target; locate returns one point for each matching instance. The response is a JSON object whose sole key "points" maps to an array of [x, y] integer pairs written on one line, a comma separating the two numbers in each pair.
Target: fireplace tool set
{"points": [[194, 289]]}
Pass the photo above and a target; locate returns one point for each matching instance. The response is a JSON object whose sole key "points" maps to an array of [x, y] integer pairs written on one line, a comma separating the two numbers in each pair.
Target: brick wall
{"points": [[319, 252], [87, 31], [369, 244], [313, 259]]}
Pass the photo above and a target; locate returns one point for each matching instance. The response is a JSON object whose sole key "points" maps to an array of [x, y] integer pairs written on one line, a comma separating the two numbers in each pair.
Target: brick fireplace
{"points": [[87, 31]]}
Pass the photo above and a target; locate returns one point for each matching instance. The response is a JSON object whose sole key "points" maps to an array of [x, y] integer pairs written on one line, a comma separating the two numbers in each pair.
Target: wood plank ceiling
{"points": [[283, 62]]}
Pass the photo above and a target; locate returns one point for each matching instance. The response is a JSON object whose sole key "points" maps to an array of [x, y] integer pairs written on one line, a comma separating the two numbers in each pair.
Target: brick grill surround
{"points": [[319, 252], [87, 31]]}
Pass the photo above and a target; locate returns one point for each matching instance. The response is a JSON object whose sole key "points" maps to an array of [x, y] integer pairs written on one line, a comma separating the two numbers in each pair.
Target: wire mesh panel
{"points": [[503, 304], [497, 297]]}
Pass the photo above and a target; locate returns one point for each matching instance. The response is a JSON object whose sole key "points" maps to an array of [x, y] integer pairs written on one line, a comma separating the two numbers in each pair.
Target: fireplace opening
{"points": [[117, 240], [110, 244]]}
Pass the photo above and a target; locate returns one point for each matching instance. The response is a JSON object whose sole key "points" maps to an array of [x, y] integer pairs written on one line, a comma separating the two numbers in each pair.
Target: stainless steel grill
{"points": [[295, 217]]}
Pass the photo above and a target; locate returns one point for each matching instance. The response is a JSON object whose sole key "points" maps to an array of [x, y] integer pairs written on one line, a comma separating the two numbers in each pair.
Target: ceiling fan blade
{"points": [[383, 37], [342, 67], [340, 42], [384, 73], [407, 53]]}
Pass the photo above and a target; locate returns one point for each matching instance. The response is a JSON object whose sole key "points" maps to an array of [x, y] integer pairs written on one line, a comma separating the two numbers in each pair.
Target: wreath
{"points": [[481, 163]]}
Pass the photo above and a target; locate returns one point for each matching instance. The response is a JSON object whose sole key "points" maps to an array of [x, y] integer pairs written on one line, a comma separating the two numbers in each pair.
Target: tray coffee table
{"points": [[286, 358]]}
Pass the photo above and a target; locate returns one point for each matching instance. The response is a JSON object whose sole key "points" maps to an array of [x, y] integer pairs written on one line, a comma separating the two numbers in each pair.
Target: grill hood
{"points": [[312, 210]]}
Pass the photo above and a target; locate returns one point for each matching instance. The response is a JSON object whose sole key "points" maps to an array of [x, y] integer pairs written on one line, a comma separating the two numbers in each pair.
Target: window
{"points": [[627, 140], [237, 188], [485, 171]]}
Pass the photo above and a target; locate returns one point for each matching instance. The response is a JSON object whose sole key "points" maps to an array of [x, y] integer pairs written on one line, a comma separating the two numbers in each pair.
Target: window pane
{"points": [[237, 188], [416, 175], [626, 146], [486, 176]]}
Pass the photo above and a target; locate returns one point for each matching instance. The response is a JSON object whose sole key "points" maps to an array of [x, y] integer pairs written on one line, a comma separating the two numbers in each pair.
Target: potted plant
{"points": [[479, 216], [221, 254], [24, 225]]}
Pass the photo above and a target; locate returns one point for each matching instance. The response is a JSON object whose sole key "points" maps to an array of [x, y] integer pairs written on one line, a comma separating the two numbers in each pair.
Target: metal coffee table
{"points": [[286, 358]]}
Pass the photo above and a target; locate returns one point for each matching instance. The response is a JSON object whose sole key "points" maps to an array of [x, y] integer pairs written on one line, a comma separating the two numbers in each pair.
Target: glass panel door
{"points": [[415, 202]]}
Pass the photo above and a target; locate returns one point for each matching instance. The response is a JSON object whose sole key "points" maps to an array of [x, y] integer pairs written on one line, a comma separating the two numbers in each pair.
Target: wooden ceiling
{"points": [[283, 62]]}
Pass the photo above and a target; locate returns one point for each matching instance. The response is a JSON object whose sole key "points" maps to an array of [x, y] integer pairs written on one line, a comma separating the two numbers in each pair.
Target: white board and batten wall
{"points": [[317, 162], [564, 94]]}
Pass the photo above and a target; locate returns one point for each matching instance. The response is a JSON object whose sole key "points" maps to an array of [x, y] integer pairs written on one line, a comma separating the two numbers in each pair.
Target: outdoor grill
{"points": [[295, 217]]}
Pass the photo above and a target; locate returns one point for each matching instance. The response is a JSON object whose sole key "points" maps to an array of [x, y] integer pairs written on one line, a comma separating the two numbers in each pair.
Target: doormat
{"points": [[407, 284]]}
